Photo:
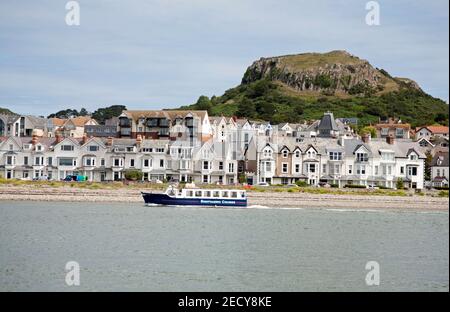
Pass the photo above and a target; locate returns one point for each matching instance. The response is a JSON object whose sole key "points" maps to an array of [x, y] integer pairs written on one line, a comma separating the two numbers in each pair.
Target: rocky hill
{"points": [[333, 73], [300, 87]]}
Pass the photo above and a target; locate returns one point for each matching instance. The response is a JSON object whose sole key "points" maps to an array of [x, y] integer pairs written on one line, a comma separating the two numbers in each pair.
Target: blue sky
{"points": [[153, 54]]}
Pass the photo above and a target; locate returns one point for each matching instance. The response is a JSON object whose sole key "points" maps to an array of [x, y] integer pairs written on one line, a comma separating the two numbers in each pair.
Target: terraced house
{"points": [[341, 161], [191, 146]]}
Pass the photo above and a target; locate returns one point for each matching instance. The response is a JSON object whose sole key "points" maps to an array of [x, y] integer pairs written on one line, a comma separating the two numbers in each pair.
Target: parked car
{"points": [[373, 187], [263, 184]]}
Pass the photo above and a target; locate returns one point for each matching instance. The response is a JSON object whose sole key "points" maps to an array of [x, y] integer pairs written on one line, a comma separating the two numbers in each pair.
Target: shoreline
{"points": [[265, 199]]}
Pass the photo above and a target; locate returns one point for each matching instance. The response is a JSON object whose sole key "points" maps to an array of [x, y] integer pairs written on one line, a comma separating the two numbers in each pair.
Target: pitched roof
{"points": [[169, 114], [440, 160], [437, 129], [58, 121], [80, 121]]}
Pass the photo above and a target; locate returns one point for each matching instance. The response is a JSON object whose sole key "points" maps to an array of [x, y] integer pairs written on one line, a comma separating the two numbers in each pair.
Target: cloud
{"points": [[165, 53]]}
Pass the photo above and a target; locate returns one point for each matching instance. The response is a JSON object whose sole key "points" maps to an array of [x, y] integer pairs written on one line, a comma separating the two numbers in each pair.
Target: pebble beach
{"points": [[261, 199]]}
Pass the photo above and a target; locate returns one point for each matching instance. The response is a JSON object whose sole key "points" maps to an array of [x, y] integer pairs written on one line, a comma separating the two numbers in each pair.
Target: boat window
{"points": [[198, 193], [207, 194], [189, 193], [234, 194], [225, 194], [216, 194], [243, 194]]}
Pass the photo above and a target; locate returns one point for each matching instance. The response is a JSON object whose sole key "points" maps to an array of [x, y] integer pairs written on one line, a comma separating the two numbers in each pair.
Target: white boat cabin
{"points": [[198, 193]]}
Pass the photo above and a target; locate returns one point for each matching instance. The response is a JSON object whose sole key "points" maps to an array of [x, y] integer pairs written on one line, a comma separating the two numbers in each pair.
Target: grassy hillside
{"points": [[275, 102], [6, 111]]}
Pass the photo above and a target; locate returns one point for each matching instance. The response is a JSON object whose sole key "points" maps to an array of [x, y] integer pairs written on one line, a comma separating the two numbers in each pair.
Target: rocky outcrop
{"points": [[336, 71]]}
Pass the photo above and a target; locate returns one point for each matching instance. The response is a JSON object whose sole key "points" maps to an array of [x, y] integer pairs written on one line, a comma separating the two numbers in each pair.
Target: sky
{"points": [[154, 54]]}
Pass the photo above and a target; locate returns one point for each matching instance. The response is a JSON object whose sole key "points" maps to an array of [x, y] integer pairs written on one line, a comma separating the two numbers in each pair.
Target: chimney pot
{"points": [[390, 140]]}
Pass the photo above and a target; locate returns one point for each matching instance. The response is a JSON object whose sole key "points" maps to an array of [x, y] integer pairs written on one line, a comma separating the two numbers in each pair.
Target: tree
{"points": [[102, 114], [246, 108], [400, 185], [428, 160], [369, 130], [133, 175], [203, 103], [83, 112]]}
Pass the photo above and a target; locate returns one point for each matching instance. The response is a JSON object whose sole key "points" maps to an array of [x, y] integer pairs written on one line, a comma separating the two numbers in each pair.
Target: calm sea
{"points": [[130, 247]]}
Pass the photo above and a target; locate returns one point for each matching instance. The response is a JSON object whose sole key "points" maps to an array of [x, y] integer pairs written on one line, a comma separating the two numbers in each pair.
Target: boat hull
{"points": [[163, 199]]}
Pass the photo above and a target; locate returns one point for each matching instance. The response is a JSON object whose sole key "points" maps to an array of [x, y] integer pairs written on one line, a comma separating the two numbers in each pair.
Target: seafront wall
{"points": [[256, 199]]}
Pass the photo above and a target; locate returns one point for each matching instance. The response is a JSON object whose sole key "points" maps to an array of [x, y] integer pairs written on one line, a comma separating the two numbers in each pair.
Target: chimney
{"points": [[390, 140], [138, 140], [85, 139], [34, 139], [366, 138], [59, 138], [110, 141]]}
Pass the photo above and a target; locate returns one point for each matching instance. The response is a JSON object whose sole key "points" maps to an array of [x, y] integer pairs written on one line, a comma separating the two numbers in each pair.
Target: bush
{"points": [[441, 188], [443, 194], [399, 184], [355, 186], [133, 175], [334, 185], [302, 184]]}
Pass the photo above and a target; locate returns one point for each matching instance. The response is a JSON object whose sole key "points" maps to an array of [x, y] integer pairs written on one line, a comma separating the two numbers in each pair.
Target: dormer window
{"points": [[413, 157], [39, 148], [362, 157], [285, 154], [67, 148], [297, 154], [93, 148]]}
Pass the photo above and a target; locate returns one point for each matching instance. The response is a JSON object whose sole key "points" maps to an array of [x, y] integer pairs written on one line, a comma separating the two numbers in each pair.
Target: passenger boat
{"points": [[197, 197]]}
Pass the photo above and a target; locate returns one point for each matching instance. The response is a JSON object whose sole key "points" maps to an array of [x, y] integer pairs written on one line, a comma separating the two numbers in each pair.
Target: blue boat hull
{"points": [[163, 199]]}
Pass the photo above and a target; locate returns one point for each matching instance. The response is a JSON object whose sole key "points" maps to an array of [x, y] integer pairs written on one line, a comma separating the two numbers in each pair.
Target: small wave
{"points": [[356, 210]]}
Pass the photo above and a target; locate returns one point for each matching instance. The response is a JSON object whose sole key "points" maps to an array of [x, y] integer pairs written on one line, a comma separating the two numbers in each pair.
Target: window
{"points": [[297, 168], [206, 165], [147, 150], [66, 162], [198, 193], [402, 170], [25, 160], [412, 171], [335, 155], [377, 170], [361, 169], [413, 157], [9, 160], [388, 156], [284, 168], [362, 157], [438, 172], [225, 194], [220, 179], [324, 169], [297, 154], [11, 147], [147, 163], [159, 150], [93, 148], [89, 161], [311, 168], [350, 169], [268, 166], [39, 148], [161, 163], [131, 162], [337, 169], [231, 167], [246, 137], [102, 162], [216, 194], [285, 154], [384, 131], [205, 179], [39, 161], [220, 165], [234, 194], [67, 148], [399, 132], [118, 162]]}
